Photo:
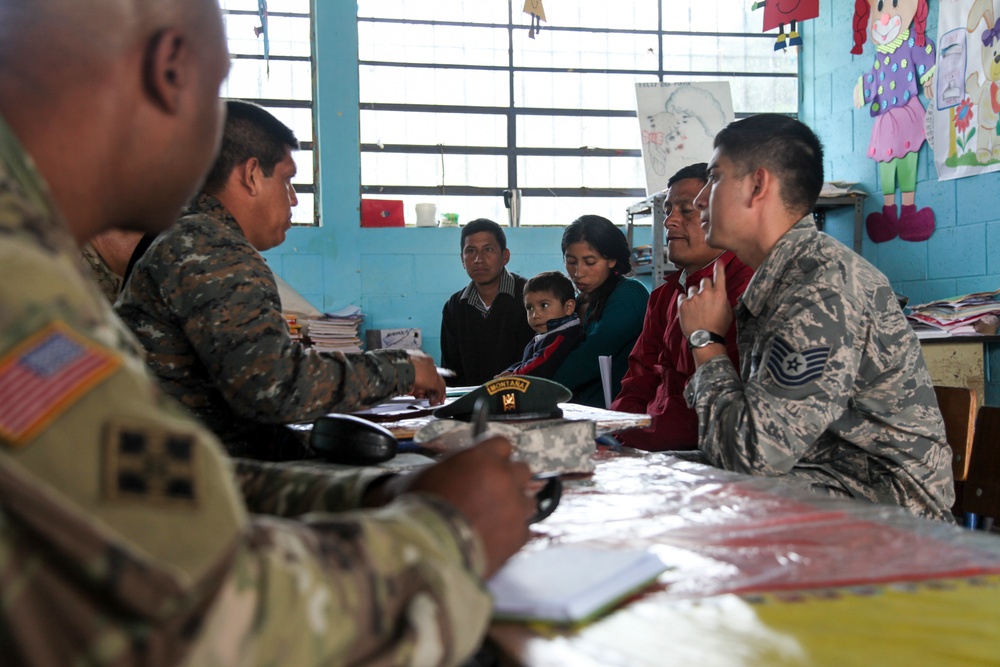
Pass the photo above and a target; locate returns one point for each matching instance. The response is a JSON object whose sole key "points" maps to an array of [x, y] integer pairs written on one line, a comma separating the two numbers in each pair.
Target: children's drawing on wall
{"points": [[904, 65], [678, 122], [965, 123], [779, 13]]}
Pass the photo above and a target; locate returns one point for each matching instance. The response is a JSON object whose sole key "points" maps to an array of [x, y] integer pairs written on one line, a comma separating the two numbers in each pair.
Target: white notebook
{"points": [[569, 584]]}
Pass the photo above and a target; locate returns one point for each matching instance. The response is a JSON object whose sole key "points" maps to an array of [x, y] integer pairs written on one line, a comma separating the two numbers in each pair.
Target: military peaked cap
{"points": [[510, 398]]}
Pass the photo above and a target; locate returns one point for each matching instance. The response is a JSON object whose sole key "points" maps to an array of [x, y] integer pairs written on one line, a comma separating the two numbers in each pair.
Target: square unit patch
{"points": [[143, 462], [43, 376]]}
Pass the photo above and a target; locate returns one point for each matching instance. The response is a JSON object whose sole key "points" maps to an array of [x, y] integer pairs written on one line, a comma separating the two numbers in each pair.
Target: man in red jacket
{"points": [[661, 363]]}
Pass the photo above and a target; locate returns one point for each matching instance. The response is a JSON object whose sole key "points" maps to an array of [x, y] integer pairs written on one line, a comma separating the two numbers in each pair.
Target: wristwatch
{"points": [[702, 337]]}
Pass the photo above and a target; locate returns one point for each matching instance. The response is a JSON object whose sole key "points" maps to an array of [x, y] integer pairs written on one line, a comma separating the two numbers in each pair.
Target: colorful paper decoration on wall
{"points": [[904, 64], [262, 30], [534, 7], [967, 96], [777, 13]]}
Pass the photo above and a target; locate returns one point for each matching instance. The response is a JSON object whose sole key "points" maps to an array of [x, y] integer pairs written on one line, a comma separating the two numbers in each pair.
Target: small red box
{"points": [[381, 213]]}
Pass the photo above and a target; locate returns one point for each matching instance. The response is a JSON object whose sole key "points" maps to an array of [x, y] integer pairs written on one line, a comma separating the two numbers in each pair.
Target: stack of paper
{"points": [[570, 584], [840, 189], [956, 315], [336, 332]]}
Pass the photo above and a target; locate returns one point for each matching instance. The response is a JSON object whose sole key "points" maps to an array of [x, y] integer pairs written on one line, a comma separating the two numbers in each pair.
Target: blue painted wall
{"points": [[963, 255]]}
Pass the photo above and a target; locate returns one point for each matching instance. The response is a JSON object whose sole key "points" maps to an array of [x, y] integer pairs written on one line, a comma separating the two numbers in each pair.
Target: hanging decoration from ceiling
{"points": [[778, 13], [904, 66], [262, 30], [537, 12]]}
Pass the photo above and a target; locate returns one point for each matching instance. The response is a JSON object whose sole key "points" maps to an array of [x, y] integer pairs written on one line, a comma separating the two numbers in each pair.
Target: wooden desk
{"points": [[963, 361], [766, 573]]}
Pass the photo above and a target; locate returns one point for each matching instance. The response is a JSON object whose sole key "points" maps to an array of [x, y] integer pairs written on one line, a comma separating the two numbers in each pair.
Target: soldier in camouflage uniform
{"points": [[107, 281], [107, 256], [204, 304], [832, 388], [124, 539]]}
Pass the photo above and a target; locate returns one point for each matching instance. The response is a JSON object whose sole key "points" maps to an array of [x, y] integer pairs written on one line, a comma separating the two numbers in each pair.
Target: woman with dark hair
{"points": [[612, 306]]}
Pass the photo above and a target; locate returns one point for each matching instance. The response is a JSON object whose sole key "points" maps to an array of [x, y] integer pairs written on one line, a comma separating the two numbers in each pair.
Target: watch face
{"points": [[701, 338]]}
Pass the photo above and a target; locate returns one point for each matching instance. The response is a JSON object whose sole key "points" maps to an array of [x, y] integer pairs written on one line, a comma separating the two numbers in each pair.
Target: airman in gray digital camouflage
{"points": [[832, 388], [124, 537], [204, 305]]}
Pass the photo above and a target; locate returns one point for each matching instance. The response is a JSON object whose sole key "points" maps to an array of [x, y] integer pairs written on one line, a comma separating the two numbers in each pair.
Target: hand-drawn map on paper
{"points": [[678, 122]]}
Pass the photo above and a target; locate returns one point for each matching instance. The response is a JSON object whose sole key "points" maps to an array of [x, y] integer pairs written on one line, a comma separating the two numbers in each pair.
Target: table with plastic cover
{"points": [[765, 572]]}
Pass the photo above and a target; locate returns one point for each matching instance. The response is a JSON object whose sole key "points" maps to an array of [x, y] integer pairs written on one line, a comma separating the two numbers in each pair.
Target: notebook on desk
{"points": [[568, 585]]}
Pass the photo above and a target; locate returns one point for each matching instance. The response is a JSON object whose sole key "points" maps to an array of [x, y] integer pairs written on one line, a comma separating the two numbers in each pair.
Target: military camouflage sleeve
{"points": [[228, 305], [397, 586], [765, 425], [293, 489]]}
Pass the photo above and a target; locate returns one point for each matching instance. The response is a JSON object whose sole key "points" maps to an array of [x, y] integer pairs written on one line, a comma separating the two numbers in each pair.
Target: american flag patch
{"points": [[43, 376]]}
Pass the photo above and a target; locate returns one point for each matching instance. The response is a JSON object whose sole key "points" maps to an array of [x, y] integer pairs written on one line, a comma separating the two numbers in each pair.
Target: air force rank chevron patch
{"points": [[790, 368]]}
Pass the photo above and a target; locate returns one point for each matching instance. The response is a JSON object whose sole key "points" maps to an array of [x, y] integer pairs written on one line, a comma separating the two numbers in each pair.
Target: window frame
{"points": [[511, 113]]}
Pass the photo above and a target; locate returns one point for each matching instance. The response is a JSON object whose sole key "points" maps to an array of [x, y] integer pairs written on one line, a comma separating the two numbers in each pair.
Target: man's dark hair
{"points": [[250, 131], [698, 170], [782, 145], [485, 225], [554, 282]]}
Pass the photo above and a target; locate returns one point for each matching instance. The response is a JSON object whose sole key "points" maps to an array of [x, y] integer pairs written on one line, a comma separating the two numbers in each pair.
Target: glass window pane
{"points": [[276, 6], [564, 210], [388, 169], [577, 91], [287, 36], [714, 16], [757, 94], [700, 53], [621, 14], [576, 132], [304, 167], [249, 79], [576, 172], [439, 44], [586, 50], [403, 85], [450, 129], [438, 10], [300, 120], [305, 212]]}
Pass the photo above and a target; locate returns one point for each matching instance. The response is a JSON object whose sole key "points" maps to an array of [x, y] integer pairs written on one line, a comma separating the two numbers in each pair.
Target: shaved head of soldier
{"points": [[117, 101]]}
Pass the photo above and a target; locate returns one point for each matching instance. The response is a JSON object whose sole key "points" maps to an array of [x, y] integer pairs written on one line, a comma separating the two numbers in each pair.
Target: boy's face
{"points": [[544, 306]]}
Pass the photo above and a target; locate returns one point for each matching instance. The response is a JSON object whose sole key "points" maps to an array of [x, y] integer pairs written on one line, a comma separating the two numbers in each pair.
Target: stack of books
{"points": [[336, 332], [294, 328], [956, 316]]}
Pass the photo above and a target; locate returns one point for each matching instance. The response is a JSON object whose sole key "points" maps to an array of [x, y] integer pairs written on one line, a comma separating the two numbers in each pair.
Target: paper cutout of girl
{"points": [[904, 63]]}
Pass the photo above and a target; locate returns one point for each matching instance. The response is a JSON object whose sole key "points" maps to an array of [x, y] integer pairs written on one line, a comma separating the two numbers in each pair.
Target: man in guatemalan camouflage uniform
{"points": [[832, 388], [204, 304], [124, 537]]}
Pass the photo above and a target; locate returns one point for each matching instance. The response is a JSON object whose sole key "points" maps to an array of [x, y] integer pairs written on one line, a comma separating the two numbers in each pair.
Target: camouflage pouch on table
{"points": [[549, 445]]}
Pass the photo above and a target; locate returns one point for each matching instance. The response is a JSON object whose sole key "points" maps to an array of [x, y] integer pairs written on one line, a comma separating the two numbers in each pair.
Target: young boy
{"points": [[549, 299]]}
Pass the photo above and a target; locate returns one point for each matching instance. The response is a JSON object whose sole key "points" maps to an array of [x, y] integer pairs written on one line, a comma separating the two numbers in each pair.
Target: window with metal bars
{"points": [[270, 44], [458, 102]]}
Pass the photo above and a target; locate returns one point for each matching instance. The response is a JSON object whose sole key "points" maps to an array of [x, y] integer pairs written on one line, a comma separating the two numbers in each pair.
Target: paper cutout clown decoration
{"points": [[537, 12], [904, 65], [779, 12]]}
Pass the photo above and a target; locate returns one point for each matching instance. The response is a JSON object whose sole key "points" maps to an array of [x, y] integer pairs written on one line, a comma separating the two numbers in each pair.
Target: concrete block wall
{"points": [[963, 255]]}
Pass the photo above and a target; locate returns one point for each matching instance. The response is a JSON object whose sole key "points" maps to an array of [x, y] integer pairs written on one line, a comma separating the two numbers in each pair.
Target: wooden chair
{"points": [[981, 498], [958, 407]]}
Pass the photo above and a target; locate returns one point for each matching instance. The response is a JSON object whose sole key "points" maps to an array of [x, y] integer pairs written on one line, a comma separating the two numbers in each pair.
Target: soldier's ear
{"points": [[166, 71], [250, 176]]}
